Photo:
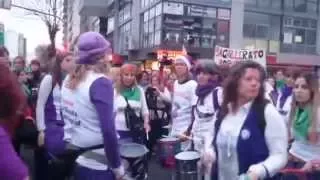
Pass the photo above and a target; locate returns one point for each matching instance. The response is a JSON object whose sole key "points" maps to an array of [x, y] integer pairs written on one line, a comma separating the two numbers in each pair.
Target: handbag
{"points": [[134, 123]]}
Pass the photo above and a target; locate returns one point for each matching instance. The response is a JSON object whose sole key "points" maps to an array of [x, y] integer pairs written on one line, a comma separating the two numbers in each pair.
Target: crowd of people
{"points": [[243, 121]]}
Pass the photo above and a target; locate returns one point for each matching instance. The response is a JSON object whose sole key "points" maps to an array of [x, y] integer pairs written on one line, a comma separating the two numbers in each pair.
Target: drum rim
{"points": [[142, 147], [195, 153], [173, 139]]}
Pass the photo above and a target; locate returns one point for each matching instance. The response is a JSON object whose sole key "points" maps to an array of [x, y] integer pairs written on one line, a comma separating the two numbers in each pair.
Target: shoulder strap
{"points": [[215, 99], [260, 108], [128, 105]]}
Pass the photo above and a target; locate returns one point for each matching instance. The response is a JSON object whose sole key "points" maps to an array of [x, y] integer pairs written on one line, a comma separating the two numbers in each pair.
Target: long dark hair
{"points": [[231, 84], [56, 71], [314, 101]]}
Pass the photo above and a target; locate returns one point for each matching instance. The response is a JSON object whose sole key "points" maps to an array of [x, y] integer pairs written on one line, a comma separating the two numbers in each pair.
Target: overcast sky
{"points": [[31, 26]]}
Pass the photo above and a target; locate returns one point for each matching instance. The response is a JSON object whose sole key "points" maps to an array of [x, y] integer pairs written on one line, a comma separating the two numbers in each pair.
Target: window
{"points": [[125, 33], [288, 4], [262, 31], [309, 6], [312, 6], [262, 26], [151, 25], [158, 22], [311, 37], [157, 38], [276, 4], [299, 35], [127, 12], [300, 5], [142, 2], [146, 16], [264, 3], [251, 3], [152, 13], [159, 9], [249, 30]]}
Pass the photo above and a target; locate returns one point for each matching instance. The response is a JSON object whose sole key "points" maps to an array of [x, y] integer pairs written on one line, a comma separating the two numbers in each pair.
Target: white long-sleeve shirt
{"points": [[45, 91], [227, 139], [121, 104]]}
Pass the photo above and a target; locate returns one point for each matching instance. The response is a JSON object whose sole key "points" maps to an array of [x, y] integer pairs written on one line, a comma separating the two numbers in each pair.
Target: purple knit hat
{"points": [[91, 46]]}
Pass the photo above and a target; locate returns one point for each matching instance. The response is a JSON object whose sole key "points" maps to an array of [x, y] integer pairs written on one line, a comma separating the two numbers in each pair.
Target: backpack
{"points": [[216, 106], [259, 108], [134, 123]]}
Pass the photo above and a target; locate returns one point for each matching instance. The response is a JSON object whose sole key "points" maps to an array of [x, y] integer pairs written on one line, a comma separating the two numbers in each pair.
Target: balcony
{"points": [[94, 7]]}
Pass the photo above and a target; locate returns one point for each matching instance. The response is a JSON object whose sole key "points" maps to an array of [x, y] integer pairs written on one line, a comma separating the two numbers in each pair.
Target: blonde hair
{"points": [[80, 72]]}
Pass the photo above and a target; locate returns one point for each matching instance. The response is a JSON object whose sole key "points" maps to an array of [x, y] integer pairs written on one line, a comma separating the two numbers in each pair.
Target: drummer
{"points": [[129, 93], [209, 99], [250, 137], [184, 89], [87, 103]]}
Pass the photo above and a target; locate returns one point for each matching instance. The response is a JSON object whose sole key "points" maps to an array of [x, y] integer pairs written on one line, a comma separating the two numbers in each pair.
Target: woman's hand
{"points": [[147, 127], [307, 167], [41, 137], [252, 175], [313, 137]]}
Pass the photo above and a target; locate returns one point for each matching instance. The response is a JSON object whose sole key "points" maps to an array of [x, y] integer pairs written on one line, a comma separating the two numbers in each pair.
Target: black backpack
{"points": [[259, 108], [134, 123]]}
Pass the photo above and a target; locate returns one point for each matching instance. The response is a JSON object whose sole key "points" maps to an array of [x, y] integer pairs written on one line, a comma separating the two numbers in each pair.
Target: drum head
{"points": [[169, 139], [188, 155], [133, 150]]}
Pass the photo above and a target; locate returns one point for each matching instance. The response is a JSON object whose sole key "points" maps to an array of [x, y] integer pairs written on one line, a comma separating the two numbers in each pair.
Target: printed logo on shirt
{"points": [[245, 134], [69, 114]]}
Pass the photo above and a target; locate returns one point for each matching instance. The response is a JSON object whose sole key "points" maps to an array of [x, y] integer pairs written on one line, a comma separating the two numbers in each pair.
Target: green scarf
{"points": [[302, 123], [131, 93], [280, 84]]}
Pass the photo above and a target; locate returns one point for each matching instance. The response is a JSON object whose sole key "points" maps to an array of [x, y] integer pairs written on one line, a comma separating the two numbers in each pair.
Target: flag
{"points": [[184, 50]]}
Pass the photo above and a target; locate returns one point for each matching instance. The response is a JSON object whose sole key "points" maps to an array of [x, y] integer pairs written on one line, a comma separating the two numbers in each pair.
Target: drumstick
{"points": [[147, 136]]}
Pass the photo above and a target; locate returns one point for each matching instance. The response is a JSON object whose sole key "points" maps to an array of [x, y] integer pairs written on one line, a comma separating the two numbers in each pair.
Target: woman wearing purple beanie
{"points": [[87, 109]]}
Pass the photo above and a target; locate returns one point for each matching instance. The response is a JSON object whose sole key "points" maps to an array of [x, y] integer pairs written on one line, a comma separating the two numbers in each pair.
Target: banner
{"points": [[228, 57]]}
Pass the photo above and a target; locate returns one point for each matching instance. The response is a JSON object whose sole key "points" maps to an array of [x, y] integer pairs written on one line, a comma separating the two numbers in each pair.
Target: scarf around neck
{"points": [[203, 90], [302, 123], [131, 93]]}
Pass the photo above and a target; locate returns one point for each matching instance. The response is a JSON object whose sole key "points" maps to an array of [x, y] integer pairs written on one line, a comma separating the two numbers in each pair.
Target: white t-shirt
{"points": [[82, 125], [183, 97], [121, 104], [202, 126]]}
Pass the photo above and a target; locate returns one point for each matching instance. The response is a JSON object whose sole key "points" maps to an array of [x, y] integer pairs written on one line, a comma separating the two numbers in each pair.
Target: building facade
{"points": [[143, 29], [16, 44]]}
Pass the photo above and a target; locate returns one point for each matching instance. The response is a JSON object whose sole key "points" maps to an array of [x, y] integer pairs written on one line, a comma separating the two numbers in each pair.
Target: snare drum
{"points": [[168, 148], [136, 157], [93, 165], [187, 165]]}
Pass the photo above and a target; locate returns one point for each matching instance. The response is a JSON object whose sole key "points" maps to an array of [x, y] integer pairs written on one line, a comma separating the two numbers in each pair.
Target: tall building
{"points": [[15, 43], [76, 23], [149, 29]]}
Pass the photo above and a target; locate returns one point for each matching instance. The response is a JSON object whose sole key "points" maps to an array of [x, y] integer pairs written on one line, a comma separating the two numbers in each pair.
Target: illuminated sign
{"points": [[169, 54]]}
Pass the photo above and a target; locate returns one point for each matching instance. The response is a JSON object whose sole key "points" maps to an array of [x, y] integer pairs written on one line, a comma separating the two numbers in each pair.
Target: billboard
{"points": [[228, 57]]}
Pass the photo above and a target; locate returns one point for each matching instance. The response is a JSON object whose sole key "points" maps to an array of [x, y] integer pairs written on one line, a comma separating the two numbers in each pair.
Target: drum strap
{"points": [[64, 163]]}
